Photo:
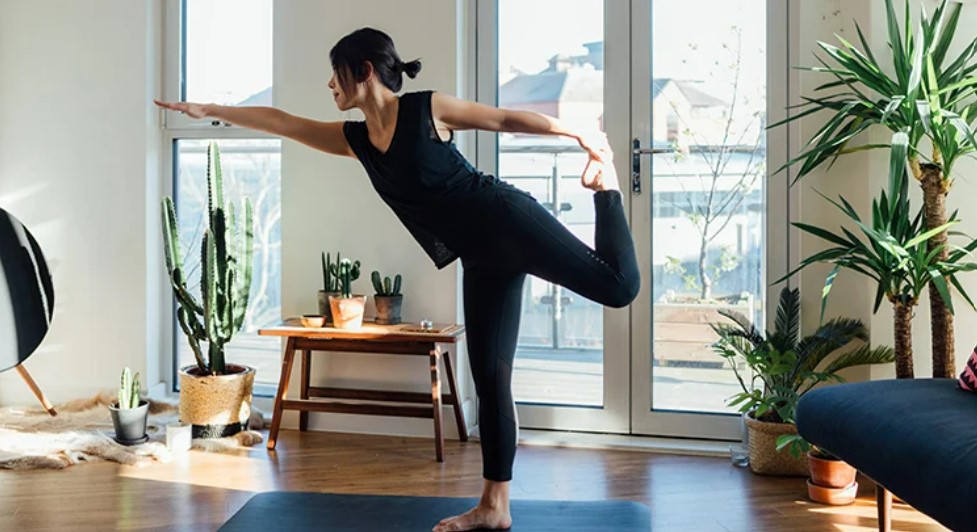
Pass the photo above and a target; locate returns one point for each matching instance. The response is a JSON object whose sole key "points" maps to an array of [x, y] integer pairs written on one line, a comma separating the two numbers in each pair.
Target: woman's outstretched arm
{"points": [[323, 136], [461, 114]]}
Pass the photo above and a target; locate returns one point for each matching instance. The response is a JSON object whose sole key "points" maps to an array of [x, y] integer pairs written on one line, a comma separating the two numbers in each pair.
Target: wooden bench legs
{"points": [[436, 398]]}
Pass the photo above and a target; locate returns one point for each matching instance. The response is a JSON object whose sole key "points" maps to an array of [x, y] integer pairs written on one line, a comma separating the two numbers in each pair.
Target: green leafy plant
{"points": [[128, 394], [892, 250], [386, 287], [797, 446], [925, 95], [226, 256], [785, 366]]}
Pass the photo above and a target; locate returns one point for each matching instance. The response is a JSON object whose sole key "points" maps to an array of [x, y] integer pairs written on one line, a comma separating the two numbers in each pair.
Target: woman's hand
{"points": [[193, 110], [596, 145]]}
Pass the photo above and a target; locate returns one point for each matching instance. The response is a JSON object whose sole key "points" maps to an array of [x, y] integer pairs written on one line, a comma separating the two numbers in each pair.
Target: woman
{"points": [[499, 232]]}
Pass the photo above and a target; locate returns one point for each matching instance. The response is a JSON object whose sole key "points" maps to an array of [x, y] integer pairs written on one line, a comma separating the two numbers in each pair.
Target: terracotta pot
{"points": [[216, 405], [324, 308], [832, 496], [347, 312], [764, 457], [388, 309], [830, 473]]}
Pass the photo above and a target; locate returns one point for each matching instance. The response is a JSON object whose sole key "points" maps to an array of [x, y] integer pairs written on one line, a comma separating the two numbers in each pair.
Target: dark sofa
{"points": [[916, 438]]}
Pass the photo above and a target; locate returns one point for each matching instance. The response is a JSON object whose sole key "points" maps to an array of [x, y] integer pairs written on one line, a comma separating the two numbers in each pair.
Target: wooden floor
{"points": [[199, 491]]}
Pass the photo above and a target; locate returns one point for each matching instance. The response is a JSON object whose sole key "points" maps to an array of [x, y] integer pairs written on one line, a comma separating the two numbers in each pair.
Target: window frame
{"points": [[175, 127]]}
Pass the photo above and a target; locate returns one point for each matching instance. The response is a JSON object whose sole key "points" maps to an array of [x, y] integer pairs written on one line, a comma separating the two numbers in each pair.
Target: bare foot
{"points": [[478, 517], [598, 176]]}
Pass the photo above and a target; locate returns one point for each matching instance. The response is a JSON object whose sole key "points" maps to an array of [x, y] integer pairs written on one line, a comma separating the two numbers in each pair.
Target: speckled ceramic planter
{"points": [[216, 406], [347, 312]]}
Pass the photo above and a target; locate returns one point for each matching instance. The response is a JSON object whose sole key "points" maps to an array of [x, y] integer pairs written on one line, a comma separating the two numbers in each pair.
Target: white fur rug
{"points": [[82, 432]]}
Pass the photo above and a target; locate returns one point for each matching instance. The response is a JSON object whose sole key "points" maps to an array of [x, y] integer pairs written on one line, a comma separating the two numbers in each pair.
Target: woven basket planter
{"points": [[764, 457], [216, 406]]}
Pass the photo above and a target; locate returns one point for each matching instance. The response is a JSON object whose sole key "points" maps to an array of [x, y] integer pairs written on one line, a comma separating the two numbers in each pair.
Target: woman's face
{"points": [[346, 98]]}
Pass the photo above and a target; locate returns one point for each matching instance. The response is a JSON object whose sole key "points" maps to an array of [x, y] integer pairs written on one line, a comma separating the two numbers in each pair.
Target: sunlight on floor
{"points": [[244, 471], [864, 510]]}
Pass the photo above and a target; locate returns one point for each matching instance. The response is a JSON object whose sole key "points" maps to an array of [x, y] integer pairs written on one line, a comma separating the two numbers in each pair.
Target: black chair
{"points": [[915, 438]]}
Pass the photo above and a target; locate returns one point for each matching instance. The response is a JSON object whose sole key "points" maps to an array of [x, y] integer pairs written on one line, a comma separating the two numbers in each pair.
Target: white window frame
{"points": [[177, 126]]}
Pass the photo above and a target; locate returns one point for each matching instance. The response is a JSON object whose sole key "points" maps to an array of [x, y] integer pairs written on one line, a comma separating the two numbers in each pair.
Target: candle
{"points": [[178, 436]]}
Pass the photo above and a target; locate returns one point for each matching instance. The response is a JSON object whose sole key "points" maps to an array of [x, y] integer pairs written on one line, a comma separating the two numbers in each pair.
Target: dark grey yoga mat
{"points": [[297, 511]]}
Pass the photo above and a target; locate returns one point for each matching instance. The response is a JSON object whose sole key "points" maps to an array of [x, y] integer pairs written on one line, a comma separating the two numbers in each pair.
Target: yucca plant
{"points": [[928, 95], [785, 366], [226, 255], [892, 249]]}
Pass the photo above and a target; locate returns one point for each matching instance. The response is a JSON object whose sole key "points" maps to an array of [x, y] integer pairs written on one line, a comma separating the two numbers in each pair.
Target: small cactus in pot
{"points": [[129, 412], [347, 308], [331, 283], [388, 298]]}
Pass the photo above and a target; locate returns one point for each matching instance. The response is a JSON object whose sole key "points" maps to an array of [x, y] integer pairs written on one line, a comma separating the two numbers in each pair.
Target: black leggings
{"points": [[530, 240]]}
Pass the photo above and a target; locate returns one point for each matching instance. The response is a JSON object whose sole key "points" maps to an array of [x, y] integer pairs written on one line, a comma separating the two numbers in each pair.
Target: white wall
{"points": [[328, 203], [78, 159]]}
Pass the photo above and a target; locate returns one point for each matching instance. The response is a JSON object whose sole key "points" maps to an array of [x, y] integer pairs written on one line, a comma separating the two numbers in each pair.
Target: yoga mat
{"points": [[299, 511]]}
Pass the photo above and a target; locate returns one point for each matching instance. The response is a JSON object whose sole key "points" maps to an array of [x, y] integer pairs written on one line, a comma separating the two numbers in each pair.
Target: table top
{"points": [[402, 332]]}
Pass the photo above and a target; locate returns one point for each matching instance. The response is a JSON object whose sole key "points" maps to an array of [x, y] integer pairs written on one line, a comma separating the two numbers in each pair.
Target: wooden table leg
{"points": [[306, 369], [456, 403], [36, 389], [883, 501], [276, 419], [436, 403]]}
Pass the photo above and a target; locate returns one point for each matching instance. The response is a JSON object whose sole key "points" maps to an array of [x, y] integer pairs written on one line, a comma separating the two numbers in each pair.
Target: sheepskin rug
{"points": [[82, 432]]}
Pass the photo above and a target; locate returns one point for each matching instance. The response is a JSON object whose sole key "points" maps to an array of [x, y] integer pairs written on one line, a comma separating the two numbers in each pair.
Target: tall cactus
{"points": [[128, 390], [226, 257]]}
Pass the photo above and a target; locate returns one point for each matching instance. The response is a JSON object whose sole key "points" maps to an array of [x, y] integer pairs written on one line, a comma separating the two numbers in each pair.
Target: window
{"points": [[214, 58]]}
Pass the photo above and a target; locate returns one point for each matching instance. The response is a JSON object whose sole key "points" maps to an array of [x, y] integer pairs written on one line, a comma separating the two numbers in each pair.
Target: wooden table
{"points": [[403, 339]]}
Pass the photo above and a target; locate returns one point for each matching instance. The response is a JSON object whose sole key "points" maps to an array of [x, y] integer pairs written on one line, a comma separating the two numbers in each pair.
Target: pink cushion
{"points": [[968, 378]]}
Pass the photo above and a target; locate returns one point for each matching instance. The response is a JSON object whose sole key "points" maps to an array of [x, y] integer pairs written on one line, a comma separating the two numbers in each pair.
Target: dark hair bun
{"points": [[412, 68]]}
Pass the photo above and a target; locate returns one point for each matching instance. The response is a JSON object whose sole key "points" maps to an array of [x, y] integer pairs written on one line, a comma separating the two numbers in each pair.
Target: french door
{"points": [[684, 101]]}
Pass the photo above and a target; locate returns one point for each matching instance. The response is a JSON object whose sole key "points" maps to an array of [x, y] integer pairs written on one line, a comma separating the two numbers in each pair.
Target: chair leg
{"points": [[883, 500], [36, 389], [436, 404]]}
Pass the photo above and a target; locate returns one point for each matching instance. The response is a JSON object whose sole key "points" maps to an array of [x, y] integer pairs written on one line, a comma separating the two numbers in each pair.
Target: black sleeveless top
{"points": [[436, 193]]}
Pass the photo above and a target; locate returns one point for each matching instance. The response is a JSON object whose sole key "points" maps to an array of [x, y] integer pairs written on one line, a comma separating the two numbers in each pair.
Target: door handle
{"points": [[636, 152]]}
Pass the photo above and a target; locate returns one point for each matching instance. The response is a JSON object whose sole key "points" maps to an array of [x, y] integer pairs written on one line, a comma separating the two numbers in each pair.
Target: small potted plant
{"points": [[347, 308], [129, 413], [388, 299], [330, 284], [832, 480], [781, 367]]}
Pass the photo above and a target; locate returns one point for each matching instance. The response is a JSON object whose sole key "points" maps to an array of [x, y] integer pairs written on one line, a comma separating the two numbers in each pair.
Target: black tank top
{"points": [[434, 191]]}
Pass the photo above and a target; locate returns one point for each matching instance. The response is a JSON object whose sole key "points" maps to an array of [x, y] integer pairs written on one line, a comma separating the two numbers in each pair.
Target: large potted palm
{"points": [[926, 95], [781, 367], [891, 249], [215, 396]]}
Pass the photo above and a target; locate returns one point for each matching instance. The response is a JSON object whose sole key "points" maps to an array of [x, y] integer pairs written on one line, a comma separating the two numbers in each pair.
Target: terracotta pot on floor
{"points": [[832, 481]]}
